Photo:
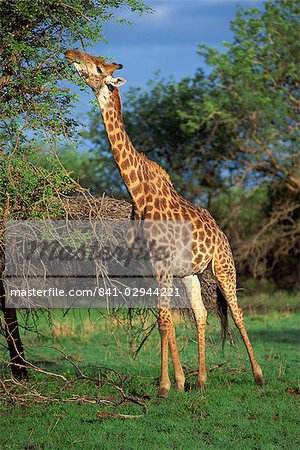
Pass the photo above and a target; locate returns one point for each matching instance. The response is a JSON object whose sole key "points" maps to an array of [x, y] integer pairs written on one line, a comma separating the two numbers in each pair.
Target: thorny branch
{"points": [[21, 393]]}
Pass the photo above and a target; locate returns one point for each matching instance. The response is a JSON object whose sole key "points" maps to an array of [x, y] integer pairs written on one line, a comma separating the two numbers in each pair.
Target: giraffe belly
{"points": [[181, 267]]}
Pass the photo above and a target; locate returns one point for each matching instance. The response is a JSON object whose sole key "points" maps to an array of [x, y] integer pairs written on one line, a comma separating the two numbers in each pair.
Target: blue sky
{"points": [[167, 39]]}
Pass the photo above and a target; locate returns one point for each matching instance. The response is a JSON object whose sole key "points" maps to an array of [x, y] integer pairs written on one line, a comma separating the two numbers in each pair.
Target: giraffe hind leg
{"points": [[226, 278], [193, 288]]}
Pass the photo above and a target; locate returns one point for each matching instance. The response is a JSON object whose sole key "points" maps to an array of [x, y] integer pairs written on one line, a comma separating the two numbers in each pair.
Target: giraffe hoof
{"points": [[163, 392], [180, 387], [259, 380], [201, 386]]}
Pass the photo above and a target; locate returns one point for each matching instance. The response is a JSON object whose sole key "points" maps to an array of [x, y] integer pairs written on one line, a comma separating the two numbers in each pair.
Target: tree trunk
{"points": [[13, 339]]}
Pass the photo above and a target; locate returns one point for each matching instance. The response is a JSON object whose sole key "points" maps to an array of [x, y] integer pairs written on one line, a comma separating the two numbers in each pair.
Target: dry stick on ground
{"points": [[10, 385], [11, 388], [125, 398]]}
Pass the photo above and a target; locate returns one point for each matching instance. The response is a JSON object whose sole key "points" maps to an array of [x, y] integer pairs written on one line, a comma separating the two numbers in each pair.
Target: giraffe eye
{"points": [[99, 70]]}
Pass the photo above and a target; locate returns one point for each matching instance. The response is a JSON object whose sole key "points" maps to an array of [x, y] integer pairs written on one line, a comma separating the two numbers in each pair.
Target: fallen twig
{"points": [[118, 416], [22, 394]]}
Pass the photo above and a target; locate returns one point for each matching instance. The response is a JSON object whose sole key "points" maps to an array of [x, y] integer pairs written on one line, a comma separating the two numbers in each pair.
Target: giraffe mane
{"points": [[118, 103], [153, 165], [117, 99]]}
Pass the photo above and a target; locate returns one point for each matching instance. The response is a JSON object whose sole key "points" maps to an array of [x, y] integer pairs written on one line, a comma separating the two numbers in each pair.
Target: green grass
{"points": [[232, 413]]}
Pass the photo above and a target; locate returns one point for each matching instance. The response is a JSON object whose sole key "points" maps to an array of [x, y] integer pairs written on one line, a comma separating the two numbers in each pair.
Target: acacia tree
{"points": [[35, 110]]}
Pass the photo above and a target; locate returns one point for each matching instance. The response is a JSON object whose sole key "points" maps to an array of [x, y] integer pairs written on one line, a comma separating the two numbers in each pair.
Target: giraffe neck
{"points": [[129, 161], [145, 180]]}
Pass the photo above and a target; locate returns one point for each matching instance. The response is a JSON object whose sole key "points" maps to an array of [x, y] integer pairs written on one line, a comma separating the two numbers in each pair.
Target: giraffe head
{"points": [[96, 72]]}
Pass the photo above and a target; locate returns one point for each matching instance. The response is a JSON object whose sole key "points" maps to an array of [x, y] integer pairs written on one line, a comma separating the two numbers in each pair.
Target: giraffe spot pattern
{"points": [[137, 190], [133, 176], [125, 164]]}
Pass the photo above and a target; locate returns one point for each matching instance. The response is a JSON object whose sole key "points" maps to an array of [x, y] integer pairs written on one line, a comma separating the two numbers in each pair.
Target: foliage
{"points": [[85, 168], [254, 89], [35, 107], [264, 231], [31, 184]]}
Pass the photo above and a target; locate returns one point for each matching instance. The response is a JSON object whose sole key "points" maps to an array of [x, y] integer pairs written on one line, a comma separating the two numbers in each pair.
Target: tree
{"points": [[254, 90], [35, 111], [35, 108]]}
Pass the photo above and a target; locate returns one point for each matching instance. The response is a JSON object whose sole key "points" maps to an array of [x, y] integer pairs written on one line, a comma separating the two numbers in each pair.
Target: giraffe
{"points": [[155, 199]]}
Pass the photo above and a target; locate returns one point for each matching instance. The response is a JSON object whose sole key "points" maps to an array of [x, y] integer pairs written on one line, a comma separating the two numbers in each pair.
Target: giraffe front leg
{"points": [[163, 324], [193, 288], [167, 334], [178, 371]]}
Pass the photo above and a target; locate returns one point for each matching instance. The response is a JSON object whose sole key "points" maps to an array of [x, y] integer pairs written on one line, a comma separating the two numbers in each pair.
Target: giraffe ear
{"points": [[116, 82]]}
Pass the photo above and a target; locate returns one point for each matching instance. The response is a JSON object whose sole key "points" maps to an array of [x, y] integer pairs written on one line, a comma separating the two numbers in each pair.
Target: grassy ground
{"points": [[232, 413]]}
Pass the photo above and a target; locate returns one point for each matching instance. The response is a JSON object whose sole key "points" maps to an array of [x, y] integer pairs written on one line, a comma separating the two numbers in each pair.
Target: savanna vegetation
{"points": [[230, 142]]}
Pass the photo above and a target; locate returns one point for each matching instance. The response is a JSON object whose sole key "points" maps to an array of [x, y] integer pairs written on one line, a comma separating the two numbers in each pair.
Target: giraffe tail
{"points": [[222, 310], [215, 302]]}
